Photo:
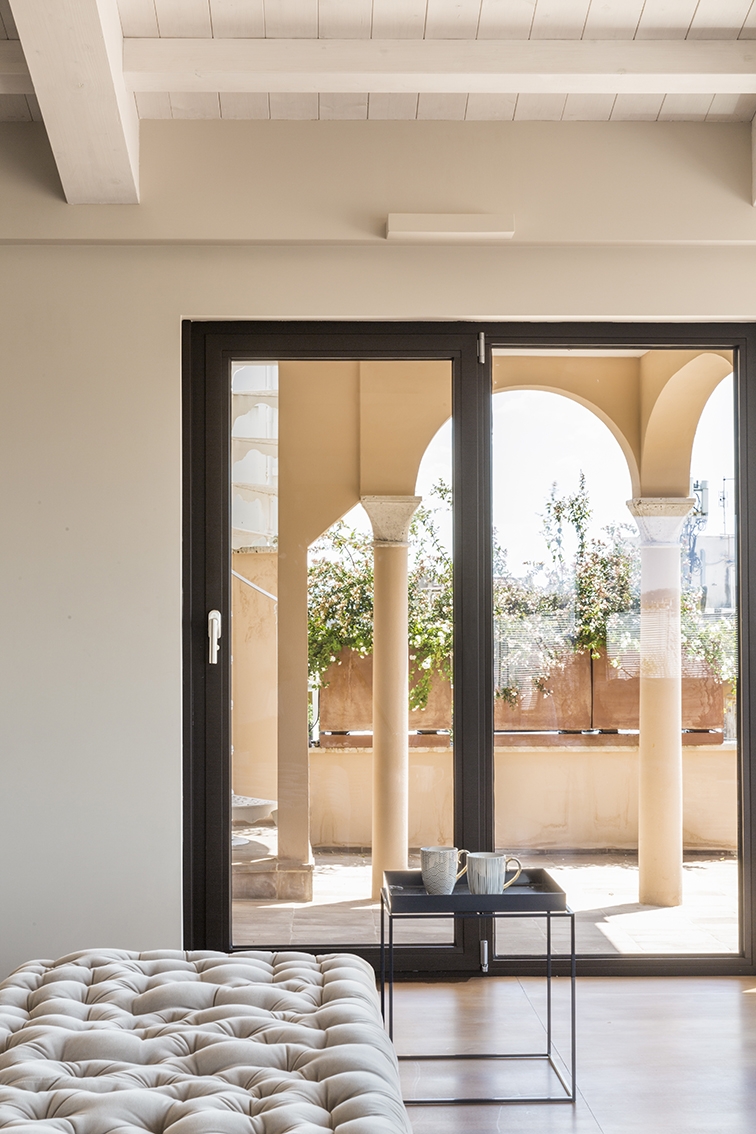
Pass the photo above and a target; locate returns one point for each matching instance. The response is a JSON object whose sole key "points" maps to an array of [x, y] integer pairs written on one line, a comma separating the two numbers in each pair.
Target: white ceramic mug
{"points": [[440, 868], [487, 871]]}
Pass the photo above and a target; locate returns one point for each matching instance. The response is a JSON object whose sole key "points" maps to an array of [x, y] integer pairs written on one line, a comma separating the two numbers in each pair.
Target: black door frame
{"points": [[208, 348]]}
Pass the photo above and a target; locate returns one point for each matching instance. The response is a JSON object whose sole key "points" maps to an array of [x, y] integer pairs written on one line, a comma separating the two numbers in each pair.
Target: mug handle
{"points": [[464, 868], [512, 881]]}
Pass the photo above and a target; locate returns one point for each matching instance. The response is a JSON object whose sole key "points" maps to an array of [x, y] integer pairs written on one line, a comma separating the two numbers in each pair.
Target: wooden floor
{"points": [[655, 1056]]}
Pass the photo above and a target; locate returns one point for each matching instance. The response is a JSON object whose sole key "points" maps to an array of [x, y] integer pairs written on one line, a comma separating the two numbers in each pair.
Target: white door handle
{"points": [[213, 634]]}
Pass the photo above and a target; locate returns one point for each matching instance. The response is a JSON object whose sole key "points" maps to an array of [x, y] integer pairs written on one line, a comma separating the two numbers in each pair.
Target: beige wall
{"points": [[546, 798], [251, 220]]}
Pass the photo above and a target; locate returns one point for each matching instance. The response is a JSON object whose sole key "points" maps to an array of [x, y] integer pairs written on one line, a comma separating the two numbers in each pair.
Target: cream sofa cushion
{"points": [[196, 1043]]}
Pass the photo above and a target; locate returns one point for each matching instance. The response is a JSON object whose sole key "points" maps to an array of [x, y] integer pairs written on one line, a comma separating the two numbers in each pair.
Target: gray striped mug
{"points": [[487, 871]]}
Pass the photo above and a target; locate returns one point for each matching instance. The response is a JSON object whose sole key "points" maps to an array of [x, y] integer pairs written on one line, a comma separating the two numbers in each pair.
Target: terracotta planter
{"points": [[616, 694], [346, 700], [582, 693], [565, 702]]}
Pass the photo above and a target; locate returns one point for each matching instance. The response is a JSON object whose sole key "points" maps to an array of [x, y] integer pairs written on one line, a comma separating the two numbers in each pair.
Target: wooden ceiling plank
{"points": [[637, 107], [666, 19], [154, 105], [238, 19], [14, 108], [14, 74], [588, 108], [490, 108], [399, 19], [400, 107], [452, 19], [337, 20], [138, 18], [539, 107], [506, 19], [719, 19], [440, 66], [194, 104], [343, 107], [442, 107], [184, 19], [34, 111], [296, 107], [609, 20], [291, 19], [685, 108], [559, 19], [73, 49], [7, 21], [245, 106], [748, 31], [732, 108]]}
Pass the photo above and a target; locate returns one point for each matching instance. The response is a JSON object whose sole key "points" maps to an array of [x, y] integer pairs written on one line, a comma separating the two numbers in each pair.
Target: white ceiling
{"points": [[428, 19], [91, 68], [444, 19]]}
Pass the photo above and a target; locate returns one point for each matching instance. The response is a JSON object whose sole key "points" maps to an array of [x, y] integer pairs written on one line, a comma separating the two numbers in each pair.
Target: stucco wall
{"points": [[251, 223], [545, 798]]}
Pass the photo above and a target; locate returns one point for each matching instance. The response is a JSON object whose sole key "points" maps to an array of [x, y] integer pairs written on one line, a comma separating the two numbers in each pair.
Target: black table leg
{"points": [[391, 979], [548, 985]]}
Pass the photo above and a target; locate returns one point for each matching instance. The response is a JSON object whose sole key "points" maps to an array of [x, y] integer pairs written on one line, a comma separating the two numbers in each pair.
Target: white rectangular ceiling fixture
{"points": [[450, 228]]}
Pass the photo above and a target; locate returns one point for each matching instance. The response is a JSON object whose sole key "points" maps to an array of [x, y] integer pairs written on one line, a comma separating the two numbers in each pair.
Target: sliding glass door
{"points": [[342, 641], [421, 612], [615, 643]]}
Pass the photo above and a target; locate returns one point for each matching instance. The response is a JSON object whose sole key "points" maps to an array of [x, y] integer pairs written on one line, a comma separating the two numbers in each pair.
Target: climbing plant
{"points": [[564, 604], [340, 599]]}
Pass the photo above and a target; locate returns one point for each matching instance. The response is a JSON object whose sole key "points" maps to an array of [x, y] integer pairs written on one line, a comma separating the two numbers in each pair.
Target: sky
{"points": [[541, 438]]}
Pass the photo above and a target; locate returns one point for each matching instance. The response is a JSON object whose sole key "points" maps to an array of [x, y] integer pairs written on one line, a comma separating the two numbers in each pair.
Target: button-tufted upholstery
{"points": [[112, 1042]]}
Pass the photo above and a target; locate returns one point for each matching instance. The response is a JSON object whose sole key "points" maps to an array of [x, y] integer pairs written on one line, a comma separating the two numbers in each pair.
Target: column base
{"points": [[659, 901], [277, 879]]}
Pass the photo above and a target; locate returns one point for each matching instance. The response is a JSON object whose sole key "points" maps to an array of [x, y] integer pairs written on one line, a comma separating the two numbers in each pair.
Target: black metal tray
{"points": [[534, 890]]}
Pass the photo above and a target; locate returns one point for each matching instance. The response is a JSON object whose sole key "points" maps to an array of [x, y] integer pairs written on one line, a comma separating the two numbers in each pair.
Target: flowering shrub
{"points": [[564, 605], [340, 600]]}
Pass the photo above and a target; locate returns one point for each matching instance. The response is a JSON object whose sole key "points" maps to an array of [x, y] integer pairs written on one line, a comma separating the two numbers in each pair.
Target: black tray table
{"points": [[535, 894]]}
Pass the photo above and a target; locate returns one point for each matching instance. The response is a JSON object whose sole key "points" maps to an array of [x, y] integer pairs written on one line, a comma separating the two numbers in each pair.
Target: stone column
{"points": [[660, 792], [390, 517]]}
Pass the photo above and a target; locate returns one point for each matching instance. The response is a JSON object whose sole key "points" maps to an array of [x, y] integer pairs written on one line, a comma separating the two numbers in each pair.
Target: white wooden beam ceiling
{"points": [[453, 59], [441, 66], [73, 50]]}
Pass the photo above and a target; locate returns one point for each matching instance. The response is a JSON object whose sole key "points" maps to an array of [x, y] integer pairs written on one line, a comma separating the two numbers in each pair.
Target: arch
{"points": [[671, 425], [619, 436], [606, 385]]}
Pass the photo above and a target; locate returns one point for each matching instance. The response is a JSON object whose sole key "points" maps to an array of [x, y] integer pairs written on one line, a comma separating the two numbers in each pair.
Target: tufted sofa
{"points": [[196, 1043]]}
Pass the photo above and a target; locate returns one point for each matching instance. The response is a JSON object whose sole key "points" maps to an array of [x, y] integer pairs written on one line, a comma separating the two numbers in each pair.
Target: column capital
{"points": [[660, 518], [390, 516]]}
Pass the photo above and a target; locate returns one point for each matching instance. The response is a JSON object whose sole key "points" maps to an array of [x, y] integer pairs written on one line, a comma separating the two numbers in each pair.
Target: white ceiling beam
{"points": [[396, 66], [441, 66], [74, 53], [14, 74]]}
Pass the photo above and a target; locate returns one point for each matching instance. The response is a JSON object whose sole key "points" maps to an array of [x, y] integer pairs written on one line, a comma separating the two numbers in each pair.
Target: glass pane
{"points": [[341, 488], [615, 645]]}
